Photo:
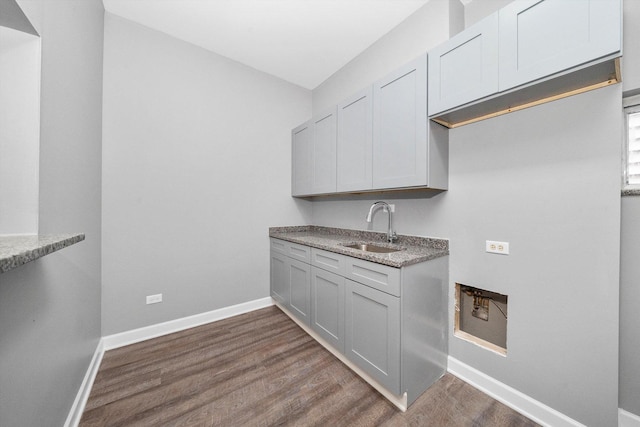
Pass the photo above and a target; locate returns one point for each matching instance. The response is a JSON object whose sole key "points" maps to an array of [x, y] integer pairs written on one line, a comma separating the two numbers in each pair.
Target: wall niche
{"points": [[481, 317]]}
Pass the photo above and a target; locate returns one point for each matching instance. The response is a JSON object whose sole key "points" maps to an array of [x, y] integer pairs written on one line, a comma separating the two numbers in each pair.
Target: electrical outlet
{"points": [[498, 247], [392, 207], [154, 299]]}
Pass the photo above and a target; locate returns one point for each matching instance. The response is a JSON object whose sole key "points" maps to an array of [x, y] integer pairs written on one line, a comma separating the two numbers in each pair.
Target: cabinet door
{"points": [[300, 289], [464, 68], [400, 127], [542, 37], [372, 333], [323, 156], [327, 306], [279, 278], [355, 142], [301, 138]]}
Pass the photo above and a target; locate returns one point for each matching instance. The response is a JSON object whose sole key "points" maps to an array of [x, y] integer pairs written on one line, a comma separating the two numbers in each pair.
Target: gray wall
{"points": [[630, 240], [418, 33], [476, 10], [629, 304], [50, 308], [197, 164], [547, 180], [631, 58]]}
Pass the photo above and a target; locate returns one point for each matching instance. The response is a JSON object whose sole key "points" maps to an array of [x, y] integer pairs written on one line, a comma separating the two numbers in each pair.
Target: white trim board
{"points": [[75, 413], [153, 331], [627, 419], [527, 406]]}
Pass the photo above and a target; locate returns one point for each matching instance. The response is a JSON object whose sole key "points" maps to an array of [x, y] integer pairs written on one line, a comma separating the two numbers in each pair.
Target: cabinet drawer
{"points": [[329, 261], [299, 252], [279, 246], [378, 276]]}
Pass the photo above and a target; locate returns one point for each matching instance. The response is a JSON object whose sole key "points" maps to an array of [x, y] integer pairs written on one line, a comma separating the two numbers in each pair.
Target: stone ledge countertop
{"points": [[20, 249], [631, 192], [414, 249]]}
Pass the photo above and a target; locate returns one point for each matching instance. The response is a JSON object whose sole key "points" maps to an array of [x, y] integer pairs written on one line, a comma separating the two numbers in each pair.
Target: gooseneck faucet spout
{"points": [[391, 235]]}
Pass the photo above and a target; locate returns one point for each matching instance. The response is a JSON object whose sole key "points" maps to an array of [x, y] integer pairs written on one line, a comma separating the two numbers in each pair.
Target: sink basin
{"points": [[369, 247]]}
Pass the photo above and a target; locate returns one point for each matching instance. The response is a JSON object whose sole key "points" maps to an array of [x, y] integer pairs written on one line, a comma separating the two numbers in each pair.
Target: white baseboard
{"points": [[157, 330], [73, 419], [527, 406], [627, 419]]}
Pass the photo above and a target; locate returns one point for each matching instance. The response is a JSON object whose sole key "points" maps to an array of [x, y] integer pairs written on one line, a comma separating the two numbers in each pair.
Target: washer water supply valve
{"points": [[480, 304]]}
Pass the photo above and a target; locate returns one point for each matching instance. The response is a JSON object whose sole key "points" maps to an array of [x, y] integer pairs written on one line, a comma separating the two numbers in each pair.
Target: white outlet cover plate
{"points": [[495, 247], [154, 299]]}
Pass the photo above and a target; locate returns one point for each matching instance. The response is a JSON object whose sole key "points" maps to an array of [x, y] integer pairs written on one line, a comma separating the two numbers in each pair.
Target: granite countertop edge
{"points": [[17, 250], [415, 249], [631, 192]]}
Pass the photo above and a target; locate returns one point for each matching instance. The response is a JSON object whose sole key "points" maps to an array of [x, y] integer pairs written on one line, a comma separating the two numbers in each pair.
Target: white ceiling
{"points": [[301, 41]]}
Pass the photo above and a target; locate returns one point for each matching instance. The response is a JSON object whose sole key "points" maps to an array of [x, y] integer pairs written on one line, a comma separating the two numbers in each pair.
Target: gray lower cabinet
{"points": [[390, 322], [373, 333], [291, 277], [327, 311], [300, 289], [279, 278]]}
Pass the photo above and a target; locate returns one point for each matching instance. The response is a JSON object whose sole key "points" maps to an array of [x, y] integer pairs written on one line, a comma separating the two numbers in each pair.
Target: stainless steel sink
{"points": [[369, 247]]}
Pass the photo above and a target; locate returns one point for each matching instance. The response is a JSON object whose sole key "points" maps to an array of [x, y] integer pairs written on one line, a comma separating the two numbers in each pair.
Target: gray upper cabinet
{"points": [[400, 127], [528, 53], [323, 155], [355, 142], [378, 139], [465, 68], [542, 37], [291, 277], [301, 139]]}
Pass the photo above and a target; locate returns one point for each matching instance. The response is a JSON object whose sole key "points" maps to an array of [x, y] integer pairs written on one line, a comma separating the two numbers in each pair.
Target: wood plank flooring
{"points": [[261, 369]]}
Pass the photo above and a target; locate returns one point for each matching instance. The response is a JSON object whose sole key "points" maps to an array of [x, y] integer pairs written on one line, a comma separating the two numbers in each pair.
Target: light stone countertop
{"points": [[16, 250], [414, 249]]}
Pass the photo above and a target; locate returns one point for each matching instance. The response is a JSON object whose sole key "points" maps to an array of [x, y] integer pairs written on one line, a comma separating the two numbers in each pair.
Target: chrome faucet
{"points": [[391, 235]]}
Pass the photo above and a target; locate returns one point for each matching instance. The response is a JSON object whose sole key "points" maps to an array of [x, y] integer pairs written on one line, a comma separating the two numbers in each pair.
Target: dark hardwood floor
{"points": [[261, 369]]}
